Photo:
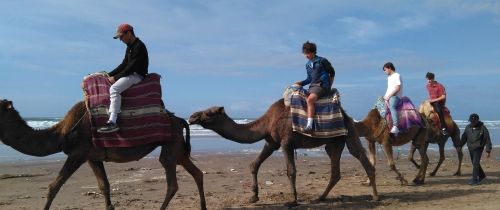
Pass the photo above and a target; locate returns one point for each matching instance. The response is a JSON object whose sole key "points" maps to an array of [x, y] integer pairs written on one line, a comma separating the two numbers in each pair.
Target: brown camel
{"points": [[436, 137], [275, 127], [77, 144], [374, 129]]}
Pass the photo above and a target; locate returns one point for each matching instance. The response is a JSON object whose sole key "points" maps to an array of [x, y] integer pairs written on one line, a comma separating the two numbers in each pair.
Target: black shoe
{"points": [[481, 179], [108, 128], [308, 130], [444, 131], [474, 182]]}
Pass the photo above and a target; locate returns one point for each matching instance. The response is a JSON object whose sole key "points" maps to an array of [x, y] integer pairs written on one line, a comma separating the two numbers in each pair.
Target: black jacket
{"points": [[476, 137], [136, 60]]}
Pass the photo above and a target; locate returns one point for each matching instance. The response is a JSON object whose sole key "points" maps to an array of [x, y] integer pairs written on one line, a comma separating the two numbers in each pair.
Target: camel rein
{"points": [[78, 122]]}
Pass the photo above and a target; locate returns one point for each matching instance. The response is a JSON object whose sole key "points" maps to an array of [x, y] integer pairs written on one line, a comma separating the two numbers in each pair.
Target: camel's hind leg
{"points": [[198, 178], [102, 180], [390, 160], [254, 168], [423, 168], [69, 167], [334, 151], [356, 150], [441, 158], [168, 161]]}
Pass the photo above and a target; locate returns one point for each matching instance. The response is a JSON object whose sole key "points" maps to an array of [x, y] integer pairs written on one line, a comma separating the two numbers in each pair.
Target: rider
{"points": [[131, 71], [320, 75], [437, 98], [393, 93]]}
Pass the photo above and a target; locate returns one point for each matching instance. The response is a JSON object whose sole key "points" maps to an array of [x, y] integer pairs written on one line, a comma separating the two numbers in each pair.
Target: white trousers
{"points": [[117, 88]]}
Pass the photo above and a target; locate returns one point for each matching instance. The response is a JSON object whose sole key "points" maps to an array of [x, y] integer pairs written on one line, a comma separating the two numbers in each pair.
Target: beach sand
{"points": [[141, 185]]}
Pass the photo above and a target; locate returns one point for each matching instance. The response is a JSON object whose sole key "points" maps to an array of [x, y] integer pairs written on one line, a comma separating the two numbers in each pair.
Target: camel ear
{"points": [[9, 105], [221, 110]]}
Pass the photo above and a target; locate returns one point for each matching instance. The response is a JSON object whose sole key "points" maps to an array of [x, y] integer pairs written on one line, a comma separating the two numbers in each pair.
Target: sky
{"points": [[242, 54]]}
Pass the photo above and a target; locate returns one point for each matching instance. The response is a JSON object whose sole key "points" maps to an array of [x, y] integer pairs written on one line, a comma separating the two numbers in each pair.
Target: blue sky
{"points": [[241, 54]]}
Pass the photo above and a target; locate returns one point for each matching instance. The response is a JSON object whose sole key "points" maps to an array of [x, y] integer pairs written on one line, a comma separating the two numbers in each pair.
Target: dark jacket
{"points": [[476, 137], [319, 71], [136, 60]]}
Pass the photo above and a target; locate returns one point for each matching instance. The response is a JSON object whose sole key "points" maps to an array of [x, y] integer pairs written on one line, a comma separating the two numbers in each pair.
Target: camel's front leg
{"points": [[334, 151], [410, 156], [441, 158], [456, 142], [390, 160], [169, 162], [69, 167], [254, 168], [291, 173], [102, 180]]}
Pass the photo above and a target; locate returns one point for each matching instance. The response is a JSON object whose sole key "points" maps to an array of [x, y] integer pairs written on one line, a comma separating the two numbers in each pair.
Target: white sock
{"points": [[112, 117], [309, 122]]}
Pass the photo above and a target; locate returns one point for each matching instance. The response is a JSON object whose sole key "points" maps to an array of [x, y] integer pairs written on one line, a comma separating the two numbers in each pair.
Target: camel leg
{"points": [[69, 167], [168, 161], [410, 156], [291, 173], [390, 160], [254, 168], [334, 151], [356, 150], [441, 158], [456, 142], [102, 180], [371, 156], [423, 168], [197, 174]]}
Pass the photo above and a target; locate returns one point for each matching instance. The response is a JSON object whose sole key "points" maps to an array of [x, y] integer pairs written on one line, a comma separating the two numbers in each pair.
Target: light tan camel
{"points": [[77, 144], [275, 126], [436, 137], [374, 128]]}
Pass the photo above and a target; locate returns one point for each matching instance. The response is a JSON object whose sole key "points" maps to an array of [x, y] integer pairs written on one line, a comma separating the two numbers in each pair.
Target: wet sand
{"points": [[141, 185]]}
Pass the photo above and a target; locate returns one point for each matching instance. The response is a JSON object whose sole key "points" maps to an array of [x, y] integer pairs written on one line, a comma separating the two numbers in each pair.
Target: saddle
{"points": [[432, 116], [328, 118], [142, 120], [408, 116]]}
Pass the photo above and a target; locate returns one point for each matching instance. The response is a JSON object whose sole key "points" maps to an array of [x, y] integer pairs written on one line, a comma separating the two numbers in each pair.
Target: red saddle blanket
{"points": [[143, 118]]}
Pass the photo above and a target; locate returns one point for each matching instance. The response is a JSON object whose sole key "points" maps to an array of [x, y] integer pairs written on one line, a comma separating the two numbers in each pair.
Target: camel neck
{"points": [[243, 133], [21, 137]]}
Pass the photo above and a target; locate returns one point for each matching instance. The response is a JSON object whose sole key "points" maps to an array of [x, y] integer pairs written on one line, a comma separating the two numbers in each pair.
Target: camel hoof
{"points": [[253, 199], [375, 198], [418, 182], [417, 166], [404, 182], [111, 207], [291, 204], [432, 174], [457, 174], [319, 200]]}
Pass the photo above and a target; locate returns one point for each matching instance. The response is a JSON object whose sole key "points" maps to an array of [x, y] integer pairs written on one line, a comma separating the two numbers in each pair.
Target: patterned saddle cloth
{"points": [[428, 111], [408, 115], [328, 118], [143, 118]]}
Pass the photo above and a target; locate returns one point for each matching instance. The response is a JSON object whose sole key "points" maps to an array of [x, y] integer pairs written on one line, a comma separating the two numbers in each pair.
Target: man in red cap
{"points": [[131, 71]]}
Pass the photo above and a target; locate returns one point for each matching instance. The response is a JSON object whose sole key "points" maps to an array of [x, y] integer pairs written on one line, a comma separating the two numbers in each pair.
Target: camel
{"points": [[374, 128], [275, 126], [436, 137], [73, 136]]}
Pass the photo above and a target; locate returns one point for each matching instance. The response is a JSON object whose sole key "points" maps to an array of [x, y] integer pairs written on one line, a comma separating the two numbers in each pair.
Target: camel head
{"points": [[5, 107], [209, 117]]}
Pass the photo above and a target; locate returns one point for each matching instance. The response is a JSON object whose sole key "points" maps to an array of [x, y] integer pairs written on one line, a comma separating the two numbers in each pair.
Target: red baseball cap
{"points": [[122, 28]]}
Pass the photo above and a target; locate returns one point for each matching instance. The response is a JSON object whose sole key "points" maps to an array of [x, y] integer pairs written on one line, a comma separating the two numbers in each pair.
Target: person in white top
{"points": [[394, 93]]}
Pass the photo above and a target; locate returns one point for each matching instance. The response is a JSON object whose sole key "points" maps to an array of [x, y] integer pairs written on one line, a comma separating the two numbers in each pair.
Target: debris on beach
{"points": [[12, 176], [269, 183]]}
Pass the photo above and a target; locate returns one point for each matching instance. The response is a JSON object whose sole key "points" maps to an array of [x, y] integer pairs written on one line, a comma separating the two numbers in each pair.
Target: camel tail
{"points": [[188, 137]]}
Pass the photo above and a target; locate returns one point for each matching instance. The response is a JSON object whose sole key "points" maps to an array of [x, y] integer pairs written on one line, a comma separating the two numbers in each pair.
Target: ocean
{"points": [[207, 141]]}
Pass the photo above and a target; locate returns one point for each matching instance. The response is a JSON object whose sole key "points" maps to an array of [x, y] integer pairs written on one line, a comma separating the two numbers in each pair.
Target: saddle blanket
{"points": [[428, 110], [408, 115], [328, 119], [143, 118]]}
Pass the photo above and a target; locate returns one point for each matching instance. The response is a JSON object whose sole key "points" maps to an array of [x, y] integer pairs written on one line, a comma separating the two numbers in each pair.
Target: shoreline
{"points": [[227, 180]]}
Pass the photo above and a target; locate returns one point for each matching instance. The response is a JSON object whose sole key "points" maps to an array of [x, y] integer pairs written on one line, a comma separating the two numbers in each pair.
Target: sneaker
{"points": [[481, 179], [308, 129], [109, 127], [444, 131], [474, 182], [394, 129]]}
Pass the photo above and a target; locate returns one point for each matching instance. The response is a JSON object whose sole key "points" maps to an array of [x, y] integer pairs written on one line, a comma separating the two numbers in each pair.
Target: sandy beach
{"points": [[141, 185]]}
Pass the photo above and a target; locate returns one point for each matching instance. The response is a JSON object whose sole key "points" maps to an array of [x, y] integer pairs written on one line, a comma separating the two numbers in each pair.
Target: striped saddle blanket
{"points": [[408, 115], [143, 118], [328, 119]]}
